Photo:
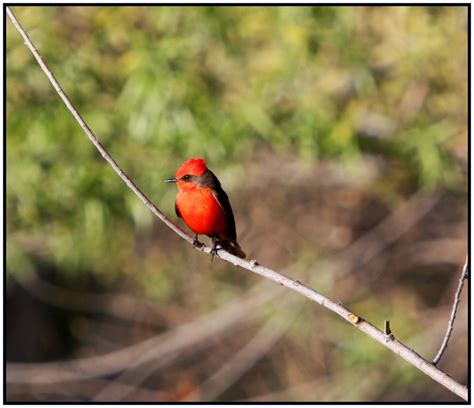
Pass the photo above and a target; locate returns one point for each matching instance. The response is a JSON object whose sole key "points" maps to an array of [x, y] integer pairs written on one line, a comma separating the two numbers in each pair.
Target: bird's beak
{"points": [[171, 180]]}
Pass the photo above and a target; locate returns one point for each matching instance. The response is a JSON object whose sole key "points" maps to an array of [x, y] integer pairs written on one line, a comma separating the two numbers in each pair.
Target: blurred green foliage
{"points": [[162, 84]]}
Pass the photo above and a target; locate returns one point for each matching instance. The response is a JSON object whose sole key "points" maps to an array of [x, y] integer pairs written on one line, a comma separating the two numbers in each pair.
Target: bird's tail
{"points": [[233, 247]]}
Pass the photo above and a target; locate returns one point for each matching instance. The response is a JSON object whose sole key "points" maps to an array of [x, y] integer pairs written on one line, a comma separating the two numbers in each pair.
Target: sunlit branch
{"points": [[390, 342], [457, 299]]}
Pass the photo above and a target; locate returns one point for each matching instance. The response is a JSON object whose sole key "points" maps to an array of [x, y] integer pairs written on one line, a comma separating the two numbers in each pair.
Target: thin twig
{"points": [[319, 387], [393, 344], [457, 299]]}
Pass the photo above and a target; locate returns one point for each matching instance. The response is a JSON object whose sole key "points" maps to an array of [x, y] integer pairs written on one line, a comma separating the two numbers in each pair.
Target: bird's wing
{"points": [[223, 201], [209, 180], [177, 210]]}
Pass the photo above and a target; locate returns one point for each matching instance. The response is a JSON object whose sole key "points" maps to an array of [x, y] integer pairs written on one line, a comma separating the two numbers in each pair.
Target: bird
{"points": [[204, 206]]}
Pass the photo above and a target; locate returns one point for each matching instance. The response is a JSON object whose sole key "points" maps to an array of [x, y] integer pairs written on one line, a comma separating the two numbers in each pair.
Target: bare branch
{"points": [[369, 383], [393, 344], [457, 299]]}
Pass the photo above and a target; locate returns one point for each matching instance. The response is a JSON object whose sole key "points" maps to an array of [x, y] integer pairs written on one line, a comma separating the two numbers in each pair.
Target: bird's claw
{"points": [[214, 249], [213, 252], [196, 243]]}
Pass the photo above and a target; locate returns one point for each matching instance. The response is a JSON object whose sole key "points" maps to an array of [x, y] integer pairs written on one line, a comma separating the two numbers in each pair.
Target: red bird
{"points": [[204, 206]]}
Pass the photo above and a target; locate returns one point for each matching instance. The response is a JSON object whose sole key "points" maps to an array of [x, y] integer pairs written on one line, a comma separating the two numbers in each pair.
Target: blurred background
{"points": [[340, 135]]}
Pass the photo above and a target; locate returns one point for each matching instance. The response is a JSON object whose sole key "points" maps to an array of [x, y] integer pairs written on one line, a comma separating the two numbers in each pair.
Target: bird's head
{"points": [[188, 174]]}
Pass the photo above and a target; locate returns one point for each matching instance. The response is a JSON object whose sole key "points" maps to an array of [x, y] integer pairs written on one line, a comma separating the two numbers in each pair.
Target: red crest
{"points": [[193, 167]]}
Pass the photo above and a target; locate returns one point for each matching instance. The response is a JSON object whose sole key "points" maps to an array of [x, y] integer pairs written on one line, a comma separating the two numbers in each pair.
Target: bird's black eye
{"points": [[187, 177]]}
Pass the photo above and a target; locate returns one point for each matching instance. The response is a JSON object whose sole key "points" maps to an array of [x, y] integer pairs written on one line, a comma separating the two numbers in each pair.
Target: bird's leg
{"points": [[215, 242], [196, 243]]}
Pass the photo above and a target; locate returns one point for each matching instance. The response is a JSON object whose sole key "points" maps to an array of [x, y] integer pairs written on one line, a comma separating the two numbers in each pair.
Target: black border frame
{"points": [[138, 4]]}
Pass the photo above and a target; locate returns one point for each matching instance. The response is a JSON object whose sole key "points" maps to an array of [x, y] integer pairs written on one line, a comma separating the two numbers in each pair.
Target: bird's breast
{"points": [[201, 212]]}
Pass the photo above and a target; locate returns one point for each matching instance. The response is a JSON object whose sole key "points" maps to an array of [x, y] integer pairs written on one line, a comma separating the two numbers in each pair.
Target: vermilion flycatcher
{"points": [[204, 206]]}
